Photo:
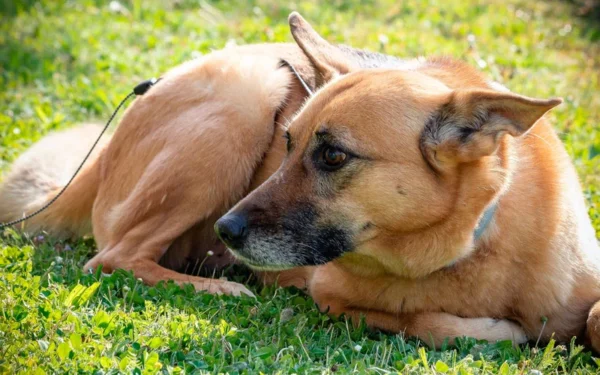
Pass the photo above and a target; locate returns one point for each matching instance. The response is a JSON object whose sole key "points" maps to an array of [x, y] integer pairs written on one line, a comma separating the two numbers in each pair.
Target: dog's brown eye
{"points": [[333, 157]]}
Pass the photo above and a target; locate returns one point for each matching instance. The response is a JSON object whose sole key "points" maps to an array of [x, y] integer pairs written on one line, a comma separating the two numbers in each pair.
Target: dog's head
{"points": [[375, 158]]}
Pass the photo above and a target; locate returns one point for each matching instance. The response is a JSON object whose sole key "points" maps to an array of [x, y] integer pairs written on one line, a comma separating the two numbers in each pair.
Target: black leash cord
{"points": [[139, 90]]}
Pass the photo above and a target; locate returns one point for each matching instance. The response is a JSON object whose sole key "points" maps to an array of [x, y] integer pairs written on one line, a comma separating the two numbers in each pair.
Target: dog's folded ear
{"points": [[327, 59], [472, 122]]}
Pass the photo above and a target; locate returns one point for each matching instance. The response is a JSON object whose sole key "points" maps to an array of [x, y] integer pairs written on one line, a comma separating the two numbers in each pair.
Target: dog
{"points": [[428, 202], [424, 220]]}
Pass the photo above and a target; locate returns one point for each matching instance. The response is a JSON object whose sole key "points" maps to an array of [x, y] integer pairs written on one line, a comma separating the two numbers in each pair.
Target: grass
{"points": [[65, 62]]}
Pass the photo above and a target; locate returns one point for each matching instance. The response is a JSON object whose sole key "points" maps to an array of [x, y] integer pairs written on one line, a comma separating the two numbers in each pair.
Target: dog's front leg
{"points": [[435, 328], [142, 245], [151, 273], [296, 277]]}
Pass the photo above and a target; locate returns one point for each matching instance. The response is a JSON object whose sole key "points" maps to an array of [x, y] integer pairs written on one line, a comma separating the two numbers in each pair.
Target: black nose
{"points": [[232, 229]]}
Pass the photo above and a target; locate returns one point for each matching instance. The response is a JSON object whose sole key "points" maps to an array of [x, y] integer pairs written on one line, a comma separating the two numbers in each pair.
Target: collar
{"points": [[485, 221]]}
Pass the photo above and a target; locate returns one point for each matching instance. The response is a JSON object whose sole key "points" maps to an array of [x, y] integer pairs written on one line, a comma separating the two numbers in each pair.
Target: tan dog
{"points": [[212, 130], [429, 203]]}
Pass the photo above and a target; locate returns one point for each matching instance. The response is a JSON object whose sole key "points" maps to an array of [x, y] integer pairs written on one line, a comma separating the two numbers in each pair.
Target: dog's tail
{"points": [[42, 171]]}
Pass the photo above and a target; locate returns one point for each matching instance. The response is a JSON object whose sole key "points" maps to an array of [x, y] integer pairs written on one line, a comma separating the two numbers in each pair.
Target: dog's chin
{"points": [[253, 264]]}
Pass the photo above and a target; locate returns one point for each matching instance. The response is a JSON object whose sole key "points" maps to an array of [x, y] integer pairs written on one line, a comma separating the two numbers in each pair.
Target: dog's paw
{"points": [[223, 287], [499, 330]]}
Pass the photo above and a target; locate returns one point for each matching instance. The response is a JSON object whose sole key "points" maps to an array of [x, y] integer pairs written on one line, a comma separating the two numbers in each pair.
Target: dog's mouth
{"points": [[258, 266], [267, 255]]}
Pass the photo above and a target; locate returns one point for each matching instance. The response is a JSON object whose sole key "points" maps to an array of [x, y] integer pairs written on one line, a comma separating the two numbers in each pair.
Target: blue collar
{"points": [[485, 221]]}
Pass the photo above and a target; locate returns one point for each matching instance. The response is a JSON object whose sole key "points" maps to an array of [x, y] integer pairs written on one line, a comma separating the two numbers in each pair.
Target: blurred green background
{"points": [[67, 62]]}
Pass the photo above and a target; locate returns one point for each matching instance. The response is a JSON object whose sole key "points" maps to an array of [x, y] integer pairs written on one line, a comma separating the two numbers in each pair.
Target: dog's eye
{"points": [[333, 158]]}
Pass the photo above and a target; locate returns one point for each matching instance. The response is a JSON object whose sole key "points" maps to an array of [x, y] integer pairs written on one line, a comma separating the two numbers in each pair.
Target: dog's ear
{"points": [[326, 58], [472, 122]]}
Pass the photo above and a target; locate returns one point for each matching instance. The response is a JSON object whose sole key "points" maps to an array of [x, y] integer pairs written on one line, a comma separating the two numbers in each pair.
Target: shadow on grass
{"points": [[10, 8], [29, 64]]}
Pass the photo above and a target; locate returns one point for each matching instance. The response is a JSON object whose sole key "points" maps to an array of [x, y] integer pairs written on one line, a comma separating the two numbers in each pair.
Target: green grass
{"points": [[62, 63]]}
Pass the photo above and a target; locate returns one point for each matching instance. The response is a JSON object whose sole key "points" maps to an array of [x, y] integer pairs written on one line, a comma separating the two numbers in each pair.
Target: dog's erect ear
{"points": [[472, 122], [326, 58]]}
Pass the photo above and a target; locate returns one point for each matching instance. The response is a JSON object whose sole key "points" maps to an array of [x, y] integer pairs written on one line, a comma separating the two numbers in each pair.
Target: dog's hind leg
{"points": [[140, 229], [184, 152], [140, 258], [158, 210]]}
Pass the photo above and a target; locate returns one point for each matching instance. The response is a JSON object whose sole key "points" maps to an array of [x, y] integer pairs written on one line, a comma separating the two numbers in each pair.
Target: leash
{"points": [[138, 90]]}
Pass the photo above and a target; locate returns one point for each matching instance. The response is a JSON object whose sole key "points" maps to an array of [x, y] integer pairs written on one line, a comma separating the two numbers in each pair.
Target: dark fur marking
{"points": [[465, 133], [321, 244], [447, 116], [313, 242]]}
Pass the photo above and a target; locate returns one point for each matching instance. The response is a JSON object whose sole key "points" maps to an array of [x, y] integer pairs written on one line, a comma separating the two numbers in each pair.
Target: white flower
{"points": [[286, 315], [116, 7]]}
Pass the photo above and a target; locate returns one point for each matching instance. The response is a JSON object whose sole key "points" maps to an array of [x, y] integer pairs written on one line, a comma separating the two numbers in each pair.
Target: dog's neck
{"points": [[421, 253]]}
